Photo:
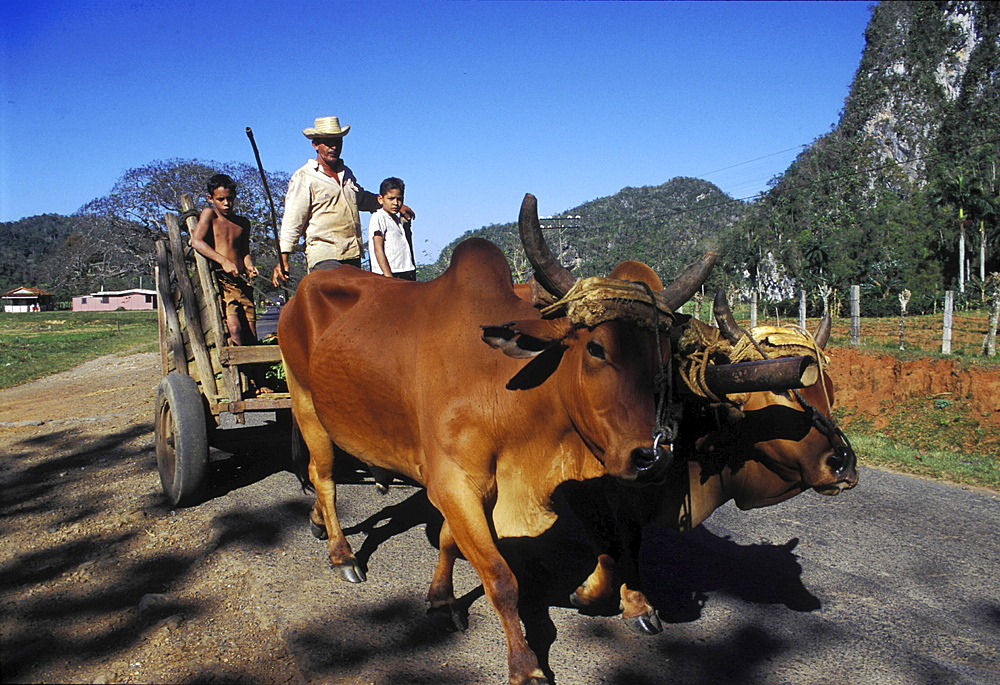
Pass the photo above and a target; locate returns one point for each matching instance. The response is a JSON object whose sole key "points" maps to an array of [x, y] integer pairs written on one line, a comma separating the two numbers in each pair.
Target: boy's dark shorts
{"points": [[236, 295]]}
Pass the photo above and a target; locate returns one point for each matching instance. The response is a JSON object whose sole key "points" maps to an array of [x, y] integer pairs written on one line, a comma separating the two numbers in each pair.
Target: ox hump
{"points": [[478, 268]]}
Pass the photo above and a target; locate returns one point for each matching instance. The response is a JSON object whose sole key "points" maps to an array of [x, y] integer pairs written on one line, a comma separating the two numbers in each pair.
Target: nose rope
{"points": [[828, 428], [667, 411]]}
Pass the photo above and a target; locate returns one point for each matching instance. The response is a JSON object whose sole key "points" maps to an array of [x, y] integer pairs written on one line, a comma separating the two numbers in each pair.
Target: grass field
{"points": [[41, 343], [35, 345]]}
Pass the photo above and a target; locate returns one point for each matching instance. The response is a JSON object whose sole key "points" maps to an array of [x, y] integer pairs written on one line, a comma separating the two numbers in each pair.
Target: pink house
{"points": [[136, 298]]}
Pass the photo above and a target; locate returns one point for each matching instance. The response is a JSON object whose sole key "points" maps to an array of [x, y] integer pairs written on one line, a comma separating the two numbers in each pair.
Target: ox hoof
{"points": [[319, 532], [645, 624], [449, 617], [350, 572]]}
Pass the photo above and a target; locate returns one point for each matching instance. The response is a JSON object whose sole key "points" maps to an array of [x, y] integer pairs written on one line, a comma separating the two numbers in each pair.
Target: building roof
{"points": [[26, 292], [130, 291]]}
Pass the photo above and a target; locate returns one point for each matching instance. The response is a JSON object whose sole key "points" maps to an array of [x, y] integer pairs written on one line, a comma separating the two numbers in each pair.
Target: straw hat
{"points": [[326, 127]]}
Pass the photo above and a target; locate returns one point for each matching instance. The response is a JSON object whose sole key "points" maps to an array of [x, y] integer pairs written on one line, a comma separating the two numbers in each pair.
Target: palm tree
{"points": [[963, 193], [983, 209]]}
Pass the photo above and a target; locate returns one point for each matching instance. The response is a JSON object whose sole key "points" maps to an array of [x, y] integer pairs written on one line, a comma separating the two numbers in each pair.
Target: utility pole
{"points": [[561, 223]]}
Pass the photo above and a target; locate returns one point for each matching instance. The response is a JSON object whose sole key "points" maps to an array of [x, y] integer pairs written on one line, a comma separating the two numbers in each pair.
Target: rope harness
{"points": [[596, 300], [668, 412], [701, 345]]}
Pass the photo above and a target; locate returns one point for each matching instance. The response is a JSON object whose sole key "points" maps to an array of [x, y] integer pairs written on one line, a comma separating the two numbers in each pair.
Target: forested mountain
{"points": [[24, 245], [666, 226], [885, 199]]}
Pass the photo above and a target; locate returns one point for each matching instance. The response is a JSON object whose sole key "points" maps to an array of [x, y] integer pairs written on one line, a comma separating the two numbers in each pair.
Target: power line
{"points": [[751, 161], [859, 172]]}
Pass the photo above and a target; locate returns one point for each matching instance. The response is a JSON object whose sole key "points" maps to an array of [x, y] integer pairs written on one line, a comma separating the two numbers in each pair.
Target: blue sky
{"points": [[472, 104]]}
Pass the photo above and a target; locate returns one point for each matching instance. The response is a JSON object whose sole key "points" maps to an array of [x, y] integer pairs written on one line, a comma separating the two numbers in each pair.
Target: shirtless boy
{"points": [[224, 238]]}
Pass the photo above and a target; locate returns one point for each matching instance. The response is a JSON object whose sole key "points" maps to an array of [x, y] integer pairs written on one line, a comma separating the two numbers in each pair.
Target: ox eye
{"points": [[595, 350]]}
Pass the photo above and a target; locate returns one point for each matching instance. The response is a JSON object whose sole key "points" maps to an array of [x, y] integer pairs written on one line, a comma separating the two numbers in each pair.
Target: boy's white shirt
{"points": [[396, 247]]}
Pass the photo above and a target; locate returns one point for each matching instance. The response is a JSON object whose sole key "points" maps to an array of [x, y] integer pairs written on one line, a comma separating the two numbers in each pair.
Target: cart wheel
{"points": [[181, 439]]}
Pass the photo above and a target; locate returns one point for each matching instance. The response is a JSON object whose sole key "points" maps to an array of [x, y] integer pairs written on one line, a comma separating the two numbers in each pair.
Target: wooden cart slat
{"points": [[209, 292], [174, 338], [196, 336], [257, 354]]}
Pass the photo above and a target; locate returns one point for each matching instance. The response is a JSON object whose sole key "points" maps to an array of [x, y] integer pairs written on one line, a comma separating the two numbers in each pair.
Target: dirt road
{"points": [[100, 582]]}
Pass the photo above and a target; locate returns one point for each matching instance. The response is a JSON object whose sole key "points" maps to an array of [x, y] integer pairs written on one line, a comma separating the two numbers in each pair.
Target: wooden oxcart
{"points": [[204, 377]]}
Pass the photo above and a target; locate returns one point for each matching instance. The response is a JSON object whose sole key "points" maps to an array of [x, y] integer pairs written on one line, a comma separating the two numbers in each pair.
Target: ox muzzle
{"points": [[651, 463], [843, 463]]}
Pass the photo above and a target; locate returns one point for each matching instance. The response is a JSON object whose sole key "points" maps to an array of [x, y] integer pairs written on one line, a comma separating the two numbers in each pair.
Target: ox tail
{"points": [[300, 458]]}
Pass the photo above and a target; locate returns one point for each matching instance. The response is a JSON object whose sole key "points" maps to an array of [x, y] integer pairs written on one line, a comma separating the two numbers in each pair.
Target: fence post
{"points": [[991, 333], [904, 298], [855, 314], [802, 309], [753, 308], [949, 308]]}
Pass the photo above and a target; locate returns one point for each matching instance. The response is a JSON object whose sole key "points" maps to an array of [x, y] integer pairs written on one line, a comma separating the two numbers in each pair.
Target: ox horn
{"points": [[687, 284], [550, 274], [822, 335], [730, 330], [775, 375]]}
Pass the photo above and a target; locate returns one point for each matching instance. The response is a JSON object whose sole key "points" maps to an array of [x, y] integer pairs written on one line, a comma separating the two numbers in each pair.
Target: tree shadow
{"points": [[72, 595], [397, 626]]}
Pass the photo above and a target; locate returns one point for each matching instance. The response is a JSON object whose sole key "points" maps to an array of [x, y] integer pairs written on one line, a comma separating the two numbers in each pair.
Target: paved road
{"points": [[894, 582], [267, 323]]}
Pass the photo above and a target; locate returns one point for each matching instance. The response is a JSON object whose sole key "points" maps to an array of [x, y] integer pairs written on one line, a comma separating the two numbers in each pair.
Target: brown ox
{"points": [[397, 374], [768, 448]]}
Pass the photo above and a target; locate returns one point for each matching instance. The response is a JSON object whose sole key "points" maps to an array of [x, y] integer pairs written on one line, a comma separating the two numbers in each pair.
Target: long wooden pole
{"points": [[267, 190], [270, 202]]}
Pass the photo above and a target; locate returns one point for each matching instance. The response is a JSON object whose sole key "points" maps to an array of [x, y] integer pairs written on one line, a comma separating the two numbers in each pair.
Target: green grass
{"points": [[957, 467], [37, 344]]}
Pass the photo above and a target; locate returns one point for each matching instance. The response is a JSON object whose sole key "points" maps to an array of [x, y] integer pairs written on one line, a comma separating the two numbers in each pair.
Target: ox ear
{"points": [[528, 338]]}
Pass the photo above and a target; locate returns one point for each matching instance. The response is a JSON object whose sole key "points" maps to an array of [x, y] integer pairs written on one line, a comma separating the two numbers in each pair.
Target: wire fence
{"points": [[923, 333]]}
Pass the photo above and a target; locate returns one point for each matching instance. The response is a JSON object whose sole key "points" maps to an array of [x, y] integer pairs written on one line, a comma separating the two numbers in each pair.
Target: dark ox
{"points": [[760, 451], [397, 374]]}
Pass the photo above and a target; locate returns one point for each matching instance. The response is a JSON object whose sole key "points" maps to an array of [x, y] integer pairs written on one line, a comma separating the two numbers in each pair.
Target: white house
{"points": [[27, 300]]}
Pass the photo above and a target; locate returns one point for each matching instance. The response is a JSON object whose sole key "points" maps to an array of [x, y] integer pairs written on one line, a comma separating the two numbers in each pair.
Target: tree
{"points": [[962, 193], [112, 245]]}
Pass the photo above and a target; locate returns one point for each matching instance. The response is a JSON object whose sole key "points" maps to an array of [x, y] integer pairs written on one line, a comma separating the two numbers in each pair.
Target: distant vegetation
{"points": [[108, 243], [901, 194], [666, 226]]}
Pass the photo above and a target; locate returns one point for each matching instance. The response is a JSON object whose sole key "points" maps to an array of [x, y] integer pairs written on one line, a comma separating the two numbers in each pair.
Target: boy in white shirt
{"points": [[390, 242]]}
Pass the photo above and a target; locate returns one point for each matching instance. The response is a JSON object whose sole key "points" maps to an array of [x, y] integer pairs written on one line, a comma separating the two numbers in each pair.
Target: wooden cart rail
{"points": [[193, 333]]}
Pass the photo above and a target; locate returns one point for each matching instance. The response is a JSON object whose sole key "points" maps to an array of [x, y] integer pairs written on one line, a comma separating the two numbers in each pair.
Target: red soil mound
{"points": [[868, 382]]}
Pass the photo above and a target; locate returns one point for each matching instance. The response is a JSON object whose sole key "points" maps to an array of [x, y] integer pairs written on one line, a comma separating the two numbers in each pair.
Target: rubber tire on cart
{"points": [[181, 439]]}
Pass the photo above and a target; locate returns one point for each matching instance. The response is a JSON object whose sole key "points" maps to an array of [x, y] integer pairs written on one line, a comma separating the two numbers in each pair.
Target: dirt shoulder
{"points": [[92, 560]]}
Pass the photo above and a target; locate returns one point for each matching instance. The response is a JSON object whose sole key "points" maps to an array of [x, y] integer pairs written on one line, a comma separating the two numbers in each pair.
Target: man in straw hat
{"points": [[324, 202]]}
